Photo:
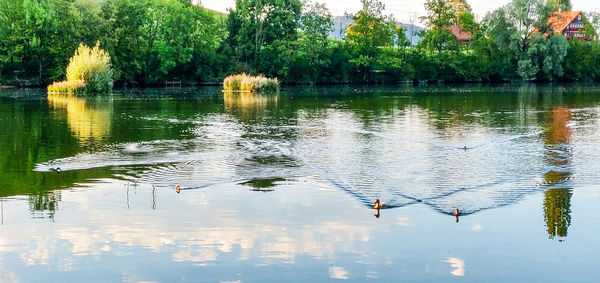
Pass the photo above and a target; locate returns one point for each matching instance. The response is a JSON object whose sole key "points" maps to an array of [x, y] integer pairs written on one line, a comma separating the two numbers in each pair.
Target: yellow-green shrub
{"points": [[91, 65], [244, 82], [71, 87]]}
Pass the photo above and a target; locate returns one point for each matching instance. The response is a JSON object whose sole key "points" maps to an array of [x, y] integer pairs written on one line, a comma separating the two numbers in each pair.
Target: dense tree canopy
{"points": [[523, 43], [262, 34], [312, 56], [370, 31], [152, 41], [149, 40]]}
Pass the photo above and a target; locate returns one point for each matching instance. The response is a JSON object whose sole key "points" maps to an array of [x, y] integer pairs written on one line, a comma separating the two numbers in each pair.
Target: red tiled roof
{"points": [[560, 20], [459, 33]]}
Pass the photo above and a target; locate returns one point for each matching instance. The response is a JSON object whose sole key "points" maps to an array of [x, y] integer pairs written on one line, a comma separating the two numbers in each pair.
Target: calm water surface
{"points": [[279, 187]]}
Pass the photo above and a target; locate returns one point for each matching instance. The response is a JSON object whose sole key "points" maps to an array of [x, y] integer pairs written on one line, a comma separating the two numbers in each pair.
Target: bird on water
{"points": [[177, 189], [456, 213], [57, 170], [378, 205]]}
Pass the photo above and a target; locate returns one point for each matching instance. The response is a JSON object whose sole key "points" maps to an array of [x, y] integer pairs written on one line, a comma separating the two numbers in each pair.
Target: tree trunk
{"points": [[40, 65]]}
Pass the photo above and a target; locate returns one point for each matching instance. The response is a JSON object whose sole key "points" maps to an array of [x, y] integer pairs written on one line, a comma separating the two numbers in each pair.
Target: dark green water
{"points": [[279, 187]]}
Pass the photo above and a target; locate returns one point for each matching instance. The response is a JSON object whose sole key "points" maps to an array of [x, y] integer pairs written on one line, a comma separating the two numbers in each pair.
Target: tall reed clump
{"points": [[248, 83], [73, 87], [89, 71]]}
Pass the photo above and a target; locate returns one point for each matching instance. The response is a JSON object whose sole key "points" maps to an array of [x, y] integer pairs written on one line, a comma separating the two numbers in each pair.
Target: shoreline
{"points": [[348, 84]]}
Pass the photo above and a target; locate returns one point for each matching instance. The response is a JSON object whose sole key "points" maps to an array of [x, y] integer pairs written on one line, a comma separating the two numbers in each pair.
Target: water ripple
{"points": [[399, 165]]}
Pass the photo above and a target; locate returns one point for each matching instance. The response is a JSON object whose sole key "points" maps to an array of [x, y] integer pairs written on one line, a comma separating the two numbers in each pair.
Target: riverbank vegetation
{"points": [[92, 66], [89, 71], [67, 87], [153, 41], [248, 83]]}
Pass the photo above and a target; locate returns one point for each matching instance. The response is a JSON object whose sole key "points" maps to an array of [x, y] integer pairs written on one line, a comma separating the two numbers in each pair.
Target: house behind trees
{"points": [[463, 37], [568, 23]]}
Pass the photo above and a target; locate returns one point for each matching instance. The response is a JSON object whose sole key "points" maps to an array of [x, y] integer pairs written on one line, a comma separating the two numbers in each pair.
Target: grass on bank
{"points": [[68, 87], [248, 83]]}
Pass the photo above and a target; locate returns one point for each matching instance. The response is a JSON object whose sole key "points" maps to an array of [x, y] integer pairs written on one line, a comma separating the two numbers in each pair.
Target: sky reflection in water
{"points": [[280, 186]]}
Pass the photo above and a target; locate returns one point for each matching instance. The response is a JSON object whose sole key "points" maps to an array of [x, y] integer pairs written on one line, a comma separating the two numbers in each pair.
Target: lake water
{"points": [[280, 187]]}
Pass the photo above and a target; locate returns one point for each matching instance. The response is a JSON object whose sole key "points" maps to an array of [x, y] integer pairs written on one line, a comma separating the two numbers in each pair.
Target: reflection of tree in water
{"points": [[44, 205], [248, 105], [557, 211], [263, 184], [557, 202]]}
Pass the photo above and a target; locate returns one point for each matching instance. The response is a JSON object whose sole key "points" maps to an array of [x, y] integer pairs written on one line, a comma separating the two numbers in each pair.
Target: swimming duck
{"points": [[57, 170], [177, 189], [456, 212], [378, 205]]}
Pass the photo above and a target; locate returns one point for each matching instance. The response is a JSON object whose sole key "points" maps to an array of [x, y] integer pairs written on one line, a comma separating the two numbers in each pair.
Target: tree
{"points": [[262, 34], [172, 38], [581, 60], [127, 38], [441, 15], [209, 34], [522, 42], [370, 31], [12, 45], [89, 22], [313, 43], [560, 5], [38, 36], [439, 18]]}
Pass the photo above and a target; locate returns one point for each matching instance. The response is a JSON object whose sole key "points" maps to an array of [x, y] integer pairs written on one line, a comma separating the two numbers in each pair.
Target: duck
{"points": [[465, 147], [456, 212], [177, 189], [378, 205], [57, 170]]}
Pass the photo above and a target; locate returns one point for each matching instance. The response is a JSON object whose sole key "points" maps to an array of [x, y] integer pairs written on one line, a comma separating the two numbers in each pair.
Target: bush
{"points": [[70, 87], [244, 82], [93, 66]]}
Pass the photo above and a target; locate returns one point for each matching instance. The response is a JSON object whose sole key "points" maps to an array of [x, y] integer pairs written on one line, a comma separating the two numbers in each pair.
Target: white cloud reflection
{"points": [[458, 265], [403, 221], [199, 236], [336, 272]]}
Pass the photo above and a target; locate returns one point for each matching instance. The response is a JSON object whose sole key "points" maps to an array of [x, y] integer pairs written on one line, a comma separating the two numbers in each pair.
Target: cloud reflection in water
{"points": [[458, 265]]}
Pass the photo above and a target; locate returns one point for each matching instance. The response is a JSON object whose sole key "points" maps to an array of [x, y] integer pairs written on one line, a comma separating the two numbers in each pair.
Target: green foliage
{"points": [[370, 31], [564, 5], [150, 41], [181, 36], [36, 37], [519, 44], [263, 35], [462, 66], [244, 82], [581, 61], [312, 54], [441, 15]]}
